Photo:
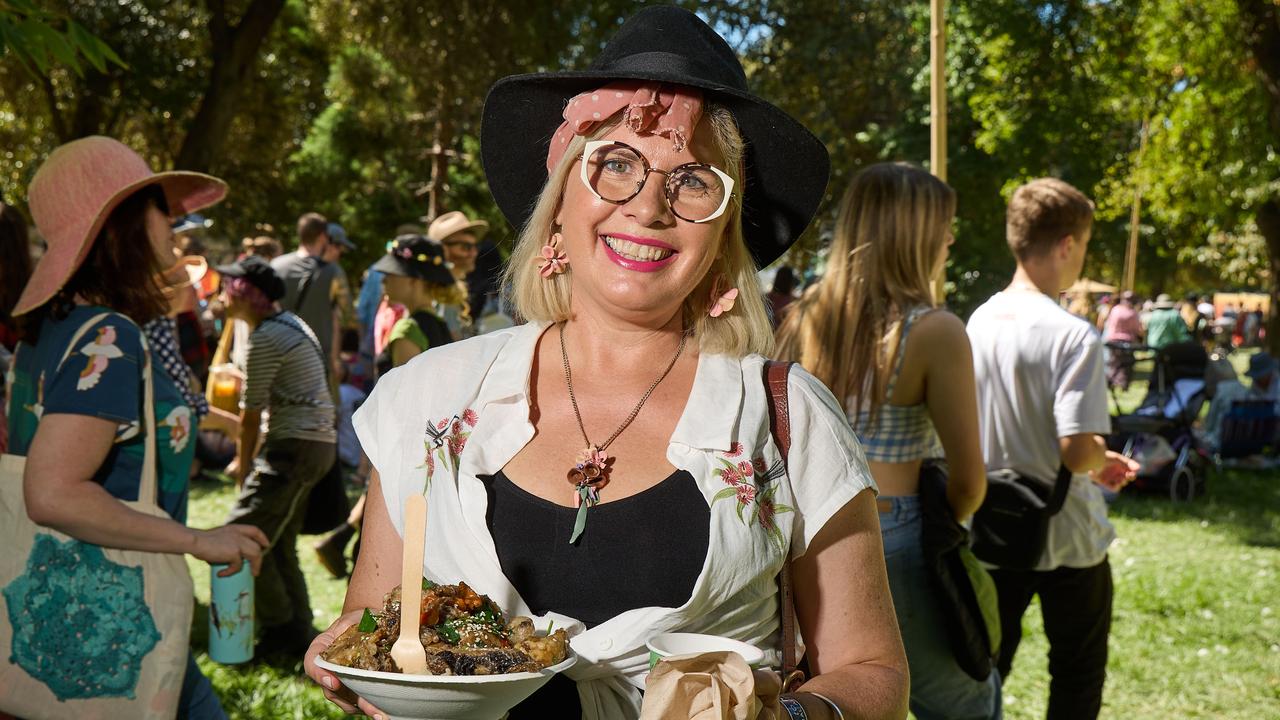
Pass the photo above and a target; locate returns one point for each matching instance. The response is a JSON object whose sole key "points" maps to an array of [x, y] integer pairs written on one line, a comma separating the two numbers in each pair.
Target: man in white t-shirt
{"points": [[1042, 403]]}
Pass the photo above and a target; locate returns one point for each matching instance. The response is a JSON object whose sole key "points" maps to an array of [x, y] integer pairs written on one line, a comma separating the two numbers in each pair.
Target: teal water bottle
{"points": [[231, 615]]}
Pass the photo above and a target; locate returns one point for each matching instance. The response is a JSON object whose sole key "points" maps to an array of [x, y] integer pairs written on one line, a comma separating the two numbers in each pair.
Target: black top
{"points": [[646, 550]]}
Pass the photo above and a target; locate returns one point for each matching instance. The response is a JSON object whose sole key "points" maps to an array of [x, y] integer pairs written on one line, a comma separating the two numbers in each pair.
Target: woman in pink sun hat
{"points": [[78, 370]]}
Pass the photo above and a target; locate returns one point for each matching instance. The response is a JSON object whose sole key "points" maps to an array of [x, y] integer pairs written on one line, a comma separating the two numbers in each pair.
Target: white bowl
{"points": [[671, 644], [444, 697]]}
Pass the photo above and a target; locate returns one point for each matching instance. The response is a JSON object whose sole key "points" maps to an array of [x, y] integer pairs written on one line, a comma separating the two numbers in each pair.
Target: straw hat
{"points": [[75, 191], [452, 223]]}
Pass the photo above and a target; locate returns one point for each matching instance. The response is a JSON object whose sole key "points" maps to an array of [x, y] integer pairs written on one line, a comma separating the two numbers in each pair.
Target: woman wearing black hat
{"points": [[611, 463], [416, 276], [286, 378]]}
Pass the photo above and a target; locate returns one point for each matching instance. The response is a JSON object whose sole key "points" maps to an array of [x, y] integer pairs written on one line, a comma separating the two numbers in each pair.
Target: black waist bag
{"points": [[965, 595], [1011, 527]]}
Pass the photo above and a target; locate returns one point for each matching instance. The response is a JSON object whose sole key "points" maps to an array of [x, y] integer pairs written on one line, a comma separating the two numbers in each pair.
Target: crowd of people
{"points": [[599, 443]]}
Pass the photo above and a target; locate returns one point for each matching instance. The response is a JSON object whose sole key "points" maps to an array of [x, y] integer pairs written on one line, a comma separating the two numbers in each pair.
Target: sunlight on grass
{"points": [[258, 691], [1196, 629]]}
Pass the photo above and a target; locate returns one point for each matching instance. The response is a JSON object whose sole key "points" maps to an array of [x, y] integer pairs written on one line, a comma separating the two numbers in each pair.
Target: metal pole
{"points": [[938, 89], [1131, 253], [938, 108]]}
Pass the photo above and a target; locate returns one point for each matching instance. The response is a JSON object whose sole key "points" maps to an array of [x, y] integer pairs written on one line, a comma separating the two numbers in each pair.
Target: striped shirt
{"points": [[286, 377]]}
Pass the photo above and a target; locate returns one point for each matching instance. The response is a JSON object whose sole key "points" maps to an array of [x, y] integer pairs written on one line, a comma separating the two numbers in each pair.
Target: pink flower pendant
{"points": [[588, 476]]}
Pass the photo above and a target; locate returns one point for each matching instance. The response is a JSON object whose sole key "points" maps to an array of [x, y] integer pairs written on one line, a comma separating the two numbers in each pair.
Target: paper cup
{"points": [[669, 644]]}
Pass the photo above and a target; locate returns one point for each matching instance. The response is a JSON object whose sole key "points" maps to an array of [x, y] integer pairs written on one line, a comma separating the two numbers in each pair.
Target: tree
{"points": [[156, 105], [234, 50], [40, 38], [1261, 24]]}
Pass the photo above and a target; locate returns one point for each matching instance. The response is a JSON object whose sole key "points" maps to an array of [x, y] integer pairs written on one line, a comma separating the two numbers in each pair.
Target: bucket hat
{"points": [[416, 256], [1164, 302], [786, 167], [452, 223], [78, 187]]}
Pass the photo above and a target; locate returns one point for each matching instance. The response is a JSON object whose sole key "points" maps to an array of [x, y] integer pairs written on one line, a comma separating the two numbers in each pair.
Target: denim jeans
{"points": [[939, 688], [198, 701]]}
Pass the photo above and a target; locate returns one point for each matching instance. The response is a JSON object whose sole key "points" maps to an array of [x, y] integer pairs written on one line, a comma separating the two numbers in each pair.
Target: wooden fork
{"points": [[408, 652]]}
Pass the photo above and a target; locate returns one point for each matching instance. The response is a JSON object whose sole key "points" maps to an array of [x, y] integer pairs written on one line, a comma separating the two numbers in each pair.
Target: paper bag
{"points": [[710, 686]]}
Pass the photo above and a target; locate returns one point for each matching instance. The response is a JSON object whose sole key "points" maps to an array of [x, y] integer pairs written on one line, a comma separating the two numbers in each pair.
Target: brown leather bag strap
{"points": [[775, 382]]}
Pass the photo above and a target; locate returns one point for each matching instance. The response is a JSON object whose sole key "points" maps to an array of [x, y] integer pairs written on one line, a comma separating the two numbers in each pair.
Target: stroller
{"points": [[1158, 432]]}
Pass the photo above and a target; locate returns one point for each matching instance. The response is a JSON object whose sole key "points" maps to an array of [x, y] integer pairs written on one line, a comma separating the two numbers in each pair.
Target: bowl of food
{"points": [[479, 664]]}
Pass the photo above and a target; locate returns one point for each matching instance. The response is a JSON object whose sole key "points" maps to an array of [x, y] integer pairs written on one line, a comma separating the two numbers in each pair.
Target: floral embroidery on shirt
{"points": [[754, 485], [445, 440], [101, 351]]}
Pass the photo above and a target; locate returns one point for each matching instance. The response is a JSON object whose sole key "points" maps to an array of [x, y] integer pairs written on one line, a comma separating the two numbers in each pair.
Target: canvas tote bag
{"points": [[88, 632]]}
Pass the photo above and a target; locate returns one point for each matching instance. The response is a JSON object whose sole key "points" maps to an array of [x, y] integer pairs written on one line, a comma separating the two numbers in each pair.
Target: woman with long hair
{"points": [[417, 276], [874, 333], [105, 217]]}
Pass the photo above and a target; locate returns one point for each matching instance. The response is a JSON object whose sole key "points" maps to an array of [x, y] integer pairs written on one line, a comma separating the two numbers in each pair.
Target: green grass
{"points": [[1195, 632], [1196, 629], [260, 691]]}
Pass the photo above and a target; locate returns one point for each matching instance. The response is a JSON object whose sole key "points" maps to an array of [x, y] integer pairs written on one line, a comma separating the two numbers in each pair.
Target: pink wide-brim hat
{"points": [[76, 190]]}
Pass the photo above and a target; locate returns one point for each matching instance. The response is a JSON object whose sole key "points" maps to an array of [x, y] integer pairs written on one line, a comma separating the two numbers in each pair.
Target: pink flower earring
{"points": [[552, 261], [722, 300]]}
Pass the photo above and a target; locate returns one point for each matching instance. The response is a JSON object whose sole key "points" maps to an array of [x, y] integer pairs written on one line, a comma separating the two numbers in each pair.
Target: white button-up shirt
{"points": [[461, 411]]}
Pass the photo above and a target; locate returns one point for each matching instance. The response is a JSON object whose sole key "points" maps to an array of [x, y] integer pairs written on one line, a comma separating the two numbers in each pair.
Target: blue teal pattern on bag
{"points": [[73, 584]]}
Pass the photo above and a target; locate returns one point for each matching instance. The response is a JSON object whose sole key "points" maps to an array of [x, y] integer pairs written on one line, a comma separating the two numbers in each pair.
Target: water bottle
{"points": [[231, 615]]}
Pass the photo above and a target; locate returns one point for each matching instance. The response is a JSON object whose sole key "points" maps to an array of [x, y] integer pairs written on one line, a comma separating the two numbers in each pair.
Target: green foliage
{"points": [[349, 101], [1210, 159], [40, 38]]}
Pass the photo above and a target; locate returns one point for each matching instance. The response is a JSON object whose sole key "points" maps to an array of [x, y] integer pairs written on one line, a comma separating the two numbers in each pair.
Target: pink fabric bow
{"points": [[671, 111]]}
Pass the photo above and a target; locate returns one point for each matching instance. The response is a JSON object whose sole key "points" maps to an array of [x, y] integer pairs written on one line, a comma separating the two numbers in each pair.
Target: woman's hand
{"points": [[232, 544], [334, 692]]}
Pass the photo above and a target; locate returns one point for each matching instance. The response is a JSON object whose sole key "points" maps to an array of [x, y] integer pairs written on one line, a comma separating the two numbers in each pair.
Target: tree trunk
{"points": [[235, 53], [90, 115], [1262, 31], [439, 162], [1269, 226]]}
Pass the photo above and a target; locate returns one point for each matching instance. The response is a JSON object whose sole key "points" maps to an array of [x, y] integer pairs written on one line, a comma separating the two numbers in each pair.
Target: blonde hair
{"points": [[741, 331], [887, 251], [455, 293]]}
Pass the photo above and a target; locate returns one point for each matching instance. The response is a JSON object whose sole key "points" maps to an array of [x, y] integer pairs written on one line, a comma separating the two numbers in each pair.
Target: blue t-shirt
{"points": [[102, 377]]}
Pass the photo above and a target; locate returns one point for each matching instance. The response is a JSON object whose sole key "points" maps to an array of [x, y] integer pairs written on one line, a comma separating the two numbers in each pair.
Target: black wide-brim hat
{"points": [[416, 256], [786, 167]]}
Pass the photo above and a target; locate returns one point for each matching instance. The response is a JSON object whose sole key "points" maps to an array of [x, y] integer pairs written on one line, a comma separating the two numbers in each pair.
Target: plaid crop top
{"points": [[902, 433]]}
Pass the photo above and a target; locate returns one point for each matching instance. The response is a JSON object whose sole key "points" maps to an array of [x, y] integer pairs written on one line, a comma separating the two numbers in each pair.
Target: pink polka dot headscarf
{"points": [[671, 111]]}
